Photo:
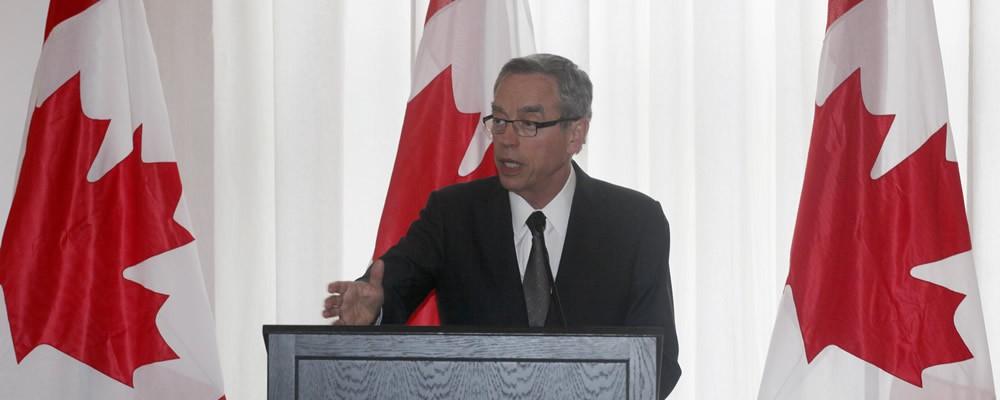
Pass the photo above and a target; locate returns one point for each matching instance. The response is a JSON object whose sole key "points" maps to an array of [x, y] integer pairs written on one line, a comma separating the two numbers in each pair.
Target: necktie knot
{"points": [[536, 223]]}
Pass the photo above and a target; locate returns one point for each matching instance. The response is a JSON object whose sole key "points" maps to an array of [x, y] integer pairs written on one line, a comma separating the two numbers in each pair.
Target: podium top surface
{"points": [[269, 330]]}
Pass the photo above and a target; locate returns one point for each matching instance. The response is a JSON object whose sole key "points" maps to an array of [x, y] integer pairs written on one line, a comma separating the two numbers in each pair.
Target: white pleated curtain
{"points": [[705, 105]]}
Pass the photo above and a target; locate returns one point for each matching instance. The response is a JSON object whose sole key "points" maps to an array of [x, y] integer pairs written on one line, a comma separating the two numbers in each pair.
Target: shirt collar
{"points": [[556, 212]]}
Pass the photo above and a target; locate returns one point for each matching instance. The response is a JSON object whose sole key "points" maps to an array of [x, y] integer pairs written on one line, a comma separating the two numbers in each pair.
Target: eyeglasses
{"points": [[522, 127]]}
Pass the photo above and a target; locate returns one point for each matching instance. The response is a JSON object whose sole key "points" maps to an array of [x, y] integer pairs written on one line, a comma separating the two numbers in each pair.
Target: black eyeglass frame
{"points": [[535, 124]]}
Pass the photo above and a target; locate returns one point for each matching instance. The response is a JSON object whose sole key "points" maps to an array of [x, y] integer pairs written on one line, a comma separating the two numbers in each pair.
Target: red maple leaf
{"points": [[856, 240], [68, 241]]}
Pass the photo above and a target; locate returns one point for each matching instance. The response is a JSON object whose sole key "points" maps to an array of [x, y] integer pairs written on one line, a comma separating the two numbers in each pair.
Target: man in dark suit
{"points": [[488, 246]]}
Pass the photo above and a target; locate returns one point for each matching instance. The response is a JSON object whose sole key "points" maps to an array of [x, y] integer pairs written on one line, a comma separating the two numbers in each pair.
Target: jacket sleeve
{"points": [[411, 265], [651, 298]]}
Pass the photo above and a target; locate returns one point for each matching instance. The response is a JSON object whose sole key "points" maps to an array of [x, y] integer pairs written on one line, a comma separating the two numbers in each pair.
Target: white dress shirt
{"points": [[556, 221]]}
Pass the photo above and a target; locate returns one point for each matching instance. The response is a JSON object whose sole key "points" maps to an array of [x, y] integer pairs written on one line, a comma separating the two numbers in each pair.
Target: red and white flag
{"points": [[464, 44], [881, 299], [102, 291]]}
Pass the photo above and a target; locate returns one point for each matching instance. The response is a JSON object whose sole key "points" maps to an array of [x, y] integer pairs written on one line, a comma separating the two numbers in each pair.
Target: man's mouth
{"points": [[508, 165]]}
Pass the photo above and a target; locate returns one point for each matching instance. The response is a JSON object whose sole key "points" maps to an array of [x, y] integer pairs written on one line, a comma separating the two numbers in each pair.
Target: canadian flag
{"points": [[464, 44], [881, 299], [102, 291]]}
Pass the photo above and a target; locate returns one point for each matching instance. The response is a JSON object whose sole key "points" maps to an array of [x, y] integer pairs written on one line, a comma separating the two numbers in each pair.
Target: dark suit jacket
{"points": [[613, 270]]}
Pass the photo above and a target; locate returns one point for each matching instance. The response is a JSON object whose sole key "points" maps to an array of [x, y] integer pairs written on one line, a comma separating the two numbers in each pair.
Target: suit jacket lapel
{"points": [[500, 263], [579, 250]]}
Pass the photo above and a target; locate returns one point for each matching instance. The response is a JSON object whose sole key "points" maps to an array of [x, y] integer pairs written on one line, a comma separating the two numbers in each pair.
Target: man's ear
{"points": [[578, 134]]}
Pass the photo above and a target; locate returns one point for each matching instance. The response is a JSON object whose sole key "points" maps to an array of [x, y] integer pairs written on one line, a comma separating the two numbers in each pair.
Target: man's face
{"points": [[536, 167]]}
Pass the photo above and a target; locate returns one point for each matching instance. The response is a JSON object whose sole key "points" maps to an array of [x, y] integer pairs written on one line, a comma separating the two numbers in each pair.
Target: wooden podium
{"points": [[399, 362]]}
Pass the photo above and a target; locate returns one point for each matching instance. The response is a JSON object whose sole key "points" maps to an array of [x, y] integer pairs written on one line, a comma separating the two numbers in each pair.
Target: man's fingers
{"points": [[338, 287], [331, 305], [333, 301], [377, 272], [330, 312], [353, 298]]}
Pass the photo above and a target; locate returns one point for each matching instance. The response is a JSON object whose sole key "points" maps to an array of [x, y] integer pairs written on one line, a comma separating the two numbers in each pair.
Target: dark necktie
{"points": [[537, 283]]}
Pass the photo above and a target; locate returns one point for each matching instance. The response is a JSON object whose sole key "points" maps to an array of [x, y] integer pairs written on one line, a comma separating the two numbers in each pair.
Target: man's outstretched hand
{"points": [[356, 302]]}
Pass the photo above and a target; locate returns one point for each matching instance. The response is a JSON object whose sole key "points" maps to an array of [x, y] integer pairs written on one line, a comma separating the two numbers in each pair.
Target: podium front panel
{"points": [[313, 363]]}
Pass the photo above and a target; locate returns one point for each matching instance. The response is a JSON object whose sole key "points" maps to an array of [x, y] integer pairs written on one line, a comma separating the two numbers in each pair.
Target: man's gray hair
{"points": [[575, 90]]}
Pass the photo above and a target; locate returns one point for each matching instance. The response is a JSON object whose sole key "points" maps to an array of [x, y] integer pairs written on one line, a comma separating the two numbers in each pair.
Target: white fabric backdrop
{"points": [[705, 105]]}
